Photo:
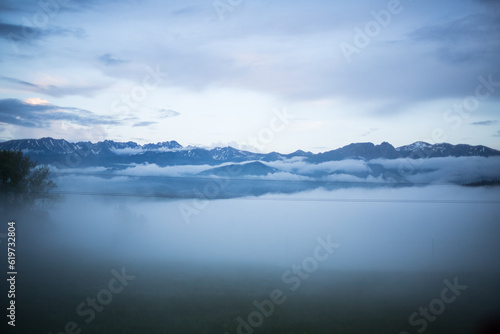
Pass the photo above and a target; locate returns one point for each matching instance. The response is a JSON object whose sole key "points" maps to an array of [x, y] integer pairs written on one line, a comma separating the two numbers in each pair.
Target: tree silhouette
{"points": [[23, 184]]}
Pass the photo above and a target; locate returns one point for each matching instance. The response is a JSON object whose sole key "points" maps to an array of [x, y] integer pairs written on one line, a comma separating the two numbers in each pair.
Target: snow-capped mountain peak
{"points": [[49, 150]]}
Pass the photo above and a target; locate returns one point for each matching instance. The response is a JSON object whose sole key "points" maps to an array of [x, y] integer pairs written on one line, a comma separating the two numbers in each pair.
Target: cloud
{"points": [[280, 176], [16, 32], [469, 39], [165, 113], [485, 123], [140, 124], [162, 112], [185, 11], [458, 170], [21, 34], [347, 178], [18, 82], [128, 151], [444, 170], [272, 46], [36, 101], [372, 130], [299, 166], [53, 90], [337, 178], [4, 6], [23, 113], [492, 3], [155, 170], [108, 60], [74, 170]]}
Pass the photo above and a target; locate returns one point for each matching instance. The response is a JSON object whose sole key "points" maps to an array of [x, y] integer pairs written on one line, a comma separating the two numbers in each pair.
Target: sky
{"points": [[262, 75]]}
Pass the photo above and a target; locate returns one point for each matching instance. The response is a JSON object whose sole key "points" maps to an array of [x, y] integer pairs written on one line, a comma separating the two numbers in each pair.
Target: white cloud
{"points": [[36, 101], [155, 170], [300, 166], [86, 170], [353, 179], [280, 176], [448, 169], [127, 151]]}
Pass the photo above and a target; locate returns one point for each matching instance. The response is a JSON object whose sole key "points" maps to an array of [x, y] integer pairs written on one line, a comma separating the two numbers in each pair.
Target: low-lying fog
{"points": [[344, 261], [415, 228]]}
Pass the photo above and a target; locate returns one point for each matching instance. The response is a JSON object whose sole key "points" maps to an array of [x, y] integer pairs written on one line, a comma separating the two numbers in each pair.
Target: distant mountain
{"points": [[169, 145], [61, 146], [39, 146], [365, 151], [425, 150], [226, 172], [109, 153]]}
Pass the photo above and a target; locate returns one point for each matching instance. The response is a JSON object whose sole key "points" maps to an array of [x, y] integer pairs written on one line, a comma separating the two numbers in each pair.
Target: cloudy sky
{"points": [[263, 74]]}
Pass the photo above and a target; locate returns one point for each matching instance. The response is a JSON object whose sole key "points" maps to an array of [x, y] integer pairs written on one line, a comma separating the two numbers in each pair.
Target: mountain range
{"points": [[169, 169], [108, 153]]}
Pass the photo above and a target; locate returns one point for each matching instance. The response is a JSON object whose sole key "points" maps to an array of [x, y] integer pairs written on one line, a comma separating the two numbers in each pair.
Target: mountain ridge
{"points": [[229, 172], [109, 152]]}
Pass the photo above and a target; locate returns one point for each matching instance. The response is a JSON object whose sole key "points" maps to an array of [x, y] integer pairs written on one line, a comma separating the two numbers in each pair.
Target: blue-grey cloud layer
{"points": [[109, 60], [485, 123], [293, 47], [284, 52], [17, 112], [53, 90]]}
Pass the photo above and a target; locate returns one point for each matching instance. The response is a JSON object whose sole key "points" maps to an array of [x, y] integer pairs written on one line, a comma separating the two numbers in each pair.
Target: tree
{"points": [[23, 184]]}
